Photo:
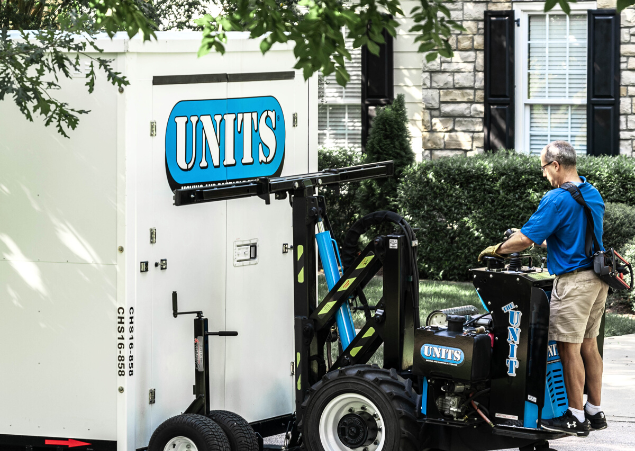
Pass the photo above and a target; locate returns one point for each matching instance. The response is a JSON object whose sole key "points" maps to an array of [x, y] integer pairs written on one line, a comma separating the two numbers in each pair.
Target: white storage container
{"points": [[76, 217]]}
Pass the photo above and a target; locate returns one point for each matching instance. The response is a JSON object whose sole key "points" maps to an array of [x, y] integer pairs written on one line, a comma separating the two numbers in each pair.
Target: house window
{"points": [[552, 90], [340, 109]]}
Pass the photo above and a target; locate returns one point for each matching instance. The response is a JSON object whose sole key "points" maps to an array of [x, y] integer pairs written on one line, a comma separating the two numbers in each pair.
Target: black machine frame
{"points": [[393, 321]]}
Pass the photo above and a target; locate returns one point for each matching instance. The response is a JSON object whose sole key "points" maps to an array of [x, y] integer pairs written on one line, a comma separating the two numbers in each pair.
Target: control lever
{"points": [[224, 333], [542, 265]]}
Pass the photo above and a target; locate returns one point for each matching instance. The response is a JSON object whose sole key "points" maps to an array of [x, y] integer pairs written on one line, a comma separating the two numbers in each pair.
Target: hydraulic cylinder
{"points": [[343, 317]]}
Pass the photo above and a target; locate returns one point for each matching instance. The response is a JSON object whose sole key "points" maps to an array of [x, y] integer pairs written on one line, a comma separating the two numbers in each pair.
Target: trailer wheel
{"points": [[240, 435], [360, 407], [188, 433]]}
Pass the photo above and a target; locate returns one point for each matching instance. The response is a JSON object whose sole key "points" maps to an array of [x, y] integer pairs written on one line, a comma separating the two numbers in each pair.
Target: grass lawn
{"points": [[435, 295]]}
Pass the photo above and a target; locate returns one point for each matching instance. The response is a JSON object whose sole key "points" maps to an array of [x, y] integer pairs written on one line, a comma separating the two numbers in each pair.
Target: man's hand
{"points": [[491, 251], [515, 243]]}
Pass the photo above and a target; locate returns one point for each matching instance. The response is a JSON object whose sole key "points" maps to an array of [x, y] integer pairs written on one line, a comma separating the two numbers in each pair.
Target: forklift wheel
{"points": [[362, 407], [240, 435], [189, 433]]}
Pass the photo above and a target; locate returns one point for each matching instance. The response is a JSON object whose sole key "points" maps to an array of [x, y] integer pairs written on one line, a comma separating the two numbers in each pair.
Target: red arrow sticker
{"points": [[70, 443]]}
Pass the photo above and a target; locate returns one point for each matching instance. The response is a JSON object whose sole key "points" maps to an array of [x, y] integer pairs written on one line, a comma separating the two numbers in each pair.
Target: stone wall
{"points": [[452, 88], [627, 88]]}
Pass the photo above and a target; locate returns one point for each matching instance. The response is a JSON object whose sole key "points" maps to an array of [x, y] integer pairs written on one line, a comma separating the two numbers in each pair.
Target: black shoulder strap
{"points": [[590, 226]]}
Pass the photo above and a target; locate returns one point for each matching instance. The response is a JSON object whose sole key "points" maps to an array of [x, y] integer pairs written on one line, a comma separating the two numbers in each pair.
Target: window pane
{"points": [[549, 123], [537, 56], [537, 27], [537, 85], [557, 26], [340, 125]]}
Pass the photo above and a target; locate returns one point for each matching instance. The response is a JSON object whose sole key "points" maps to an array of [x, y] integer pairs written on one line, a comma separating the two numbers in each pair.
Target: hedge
{"points": [[462, 205]]}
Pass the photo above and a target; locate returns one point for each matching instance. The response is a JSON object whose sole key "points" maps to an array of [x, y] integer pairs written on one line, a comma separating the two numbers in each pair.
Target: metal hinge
{"points": [[292, 369], [152, 396], [153, 128], [295, 119], [153, 235]]}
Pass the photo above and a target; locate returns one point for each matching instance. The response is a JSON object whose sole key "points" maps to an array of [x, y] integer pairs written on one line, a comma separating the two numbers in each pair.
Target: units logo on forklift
{"points": [[221, 140], [442, 354], [513, 338]]}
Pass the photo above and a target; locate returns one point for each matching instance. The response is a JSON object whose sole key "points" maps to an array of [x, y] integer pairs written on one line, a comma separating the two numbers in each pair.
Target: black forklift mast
{"points": [[394, 319]]}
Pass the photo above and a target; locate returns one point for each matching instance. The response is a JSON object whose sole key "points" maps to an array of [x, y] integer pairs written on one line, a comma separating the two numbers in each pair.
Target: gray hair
{"points": [[562, 152]]}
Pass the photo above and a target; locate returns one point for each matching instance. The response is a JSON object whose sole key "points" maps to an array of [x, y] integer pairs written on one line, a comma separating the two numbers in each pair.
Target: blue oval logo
{"points": [[442, 354], [213, 141]]}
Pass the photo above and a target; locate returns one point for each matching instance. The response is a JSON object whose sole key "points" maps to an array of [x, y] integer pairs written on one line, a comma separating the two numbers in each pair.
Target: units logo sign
{"points": [[220, 140], [442, 354]]}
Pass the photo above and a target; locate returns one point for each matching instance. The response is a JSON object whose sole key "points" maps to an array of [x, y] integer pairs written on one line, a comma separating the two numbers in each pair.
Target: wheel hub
{"points": [[357, 429], [180, 444]]}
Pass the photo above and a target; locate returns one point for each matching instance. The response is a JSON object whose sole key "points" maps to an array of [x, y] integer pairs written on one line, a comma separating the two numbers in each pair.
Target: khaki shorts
{"points": [[577, 304]]}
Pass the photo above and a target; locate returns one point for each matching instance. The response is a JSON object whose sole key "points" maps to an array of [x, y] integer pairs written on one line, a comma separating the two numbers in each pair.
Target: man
{"points": [[578, 296]]}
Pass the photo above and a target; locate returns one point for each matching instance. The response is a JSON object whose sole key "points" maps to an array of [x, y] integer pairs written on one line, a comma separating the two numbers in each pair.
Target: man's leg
{"points": [[593, 366], [573, 367]]}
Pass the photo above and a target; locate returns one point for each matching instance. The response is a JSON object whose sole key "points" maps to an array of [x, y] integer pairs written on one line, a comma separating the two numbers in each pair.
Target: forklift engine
{"points": [[498, 367], [456, 361]]}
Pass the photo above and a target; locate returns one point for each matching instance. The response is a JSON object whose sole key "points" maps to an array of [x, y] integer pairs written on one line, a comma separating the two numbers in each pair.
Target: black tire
{"points": [[240, 435], [203, 432], [391, 395]]}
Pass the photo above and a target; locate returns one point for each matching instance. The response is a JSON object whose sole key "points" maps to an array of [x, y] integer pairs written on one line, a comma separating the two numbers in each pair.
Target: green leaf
{"points": [[623, 4], [373, 48], [565, 6], [431, 56], [550, 4]]}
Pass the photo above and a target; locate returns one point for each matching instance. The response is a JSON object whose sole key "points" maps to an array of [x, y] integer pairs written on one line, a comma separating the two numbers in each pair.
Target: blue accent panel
{"points": [[223, 156], [531, 415], [482, 301], [424, 396], [343, 317], [556, 401]]}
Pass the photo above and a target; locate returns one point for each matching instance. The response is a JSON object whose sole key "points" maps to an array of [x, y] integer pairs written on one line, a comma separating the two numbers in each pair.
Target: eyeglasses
{"points": [[542, 168]]}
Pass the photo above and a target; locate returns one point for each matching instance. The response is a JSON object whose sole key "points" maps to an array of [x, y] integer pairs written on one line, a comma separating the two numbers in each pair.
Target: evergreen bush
{"points": [[389, 139], [619, 225]]}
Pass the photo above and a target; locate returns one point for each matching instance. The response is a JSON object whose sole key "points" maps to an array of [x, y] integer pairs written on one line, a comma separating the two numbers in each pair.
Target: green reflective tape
{"points": [[354, 351], [298, 359], [327, 308], [301, 276], [299, 383], [369, 333], [365, 262], [300, 251]]}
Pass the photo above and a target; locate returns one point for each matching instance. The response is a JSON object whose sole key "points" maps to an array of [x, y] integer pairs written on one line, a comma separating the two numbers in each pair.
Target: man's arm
{"points": [[516, 243]]}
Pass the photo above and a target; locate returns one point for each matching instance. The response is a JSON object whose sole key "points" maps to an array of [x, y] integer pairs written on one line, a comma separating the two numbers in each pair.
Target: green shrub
{"points": [[619, 225], [462, 205], [389, 139], [341, 206]]}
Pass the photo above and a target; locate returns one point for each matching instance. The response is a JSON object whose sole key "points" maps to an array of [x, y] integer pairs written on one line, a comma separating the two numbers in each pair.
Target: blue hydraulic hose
{"points": [[329, 263]]}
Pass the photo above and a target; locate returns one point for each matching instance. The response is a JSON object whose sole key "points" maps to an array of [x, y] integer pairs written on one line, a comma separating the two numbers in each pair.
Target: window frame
{"points": [[523, 10]]}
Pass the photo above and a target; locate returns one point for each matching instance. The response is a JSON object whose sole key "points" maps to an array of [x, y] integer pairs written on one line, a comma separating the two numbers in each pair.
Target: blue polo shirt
{"points": [[561, 221]]}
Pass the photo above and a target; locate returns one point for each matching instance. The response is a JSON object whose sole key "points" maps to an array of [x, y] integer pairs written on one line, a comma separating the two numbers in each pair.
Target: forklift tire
{"points": [[240, 435], [360, 406], [189, 433]]}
